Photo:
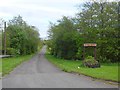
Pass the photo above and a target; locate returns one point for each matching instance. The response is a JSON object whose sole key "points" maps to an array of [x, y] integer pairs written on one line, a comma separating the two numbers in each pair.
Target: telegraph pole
{"points": [[4, 38]]}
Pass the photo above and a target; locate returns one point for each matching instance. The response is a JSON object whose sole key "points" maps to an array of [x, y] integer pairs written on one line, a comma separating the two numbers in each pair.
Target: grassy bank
{"points": [[8, 64], [0, 65], [106, 72]]}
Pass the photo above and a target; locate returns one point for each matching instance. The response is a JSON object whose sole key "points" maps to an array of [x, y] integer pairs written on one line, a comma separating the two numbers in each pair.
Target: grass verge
{"points": [[108, 71], [8, 64], [0, 65]]}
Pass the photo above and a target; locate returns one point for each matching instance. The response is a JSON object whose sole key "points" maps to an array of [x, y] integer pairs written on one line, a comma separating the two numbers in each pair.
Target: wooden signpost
{"points": [[4, 38], [90, 45]]}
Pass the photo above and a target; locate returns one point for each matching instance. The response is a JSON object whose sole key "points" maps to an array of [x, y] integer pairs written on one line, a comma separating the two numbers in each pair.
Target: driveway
{"points": [[40, 73]]}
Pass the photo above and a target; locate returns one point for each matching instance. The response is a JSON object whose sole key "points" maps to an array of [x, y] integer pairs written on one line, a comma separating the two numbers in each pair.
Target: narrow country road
{"points": [[40, 73]]}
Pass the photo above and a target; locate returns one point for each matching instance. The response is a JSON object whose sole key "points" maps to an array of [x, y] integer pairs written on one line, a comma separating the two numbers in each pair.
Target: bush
{"points": [[104, 60], [11, 51], [91, 63], [90, 57]]}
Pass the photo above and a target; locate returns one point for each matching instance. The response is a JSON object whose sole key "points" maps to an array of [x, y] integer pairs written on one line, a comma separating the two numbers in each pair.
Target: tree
{"points": [[98, 22], [22, 39], [63, 39]]}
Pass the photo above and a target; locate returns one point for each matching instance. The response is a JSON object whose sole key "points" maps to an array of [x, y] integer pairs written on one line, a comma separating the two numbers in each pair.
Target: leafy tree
{"points": [[98, 22], [22, 39], [63, 39]]}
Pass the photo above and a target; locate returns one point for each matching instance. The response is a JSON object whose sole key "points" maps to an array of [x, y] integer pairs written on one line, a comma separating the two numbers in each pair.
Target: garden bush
{"points": [[91, 63]]}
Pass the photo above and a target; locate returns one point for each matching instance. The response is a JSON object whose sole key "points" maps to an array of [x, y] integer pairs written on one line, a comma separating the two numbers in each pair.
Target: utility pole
{"points": [[4, 38]]}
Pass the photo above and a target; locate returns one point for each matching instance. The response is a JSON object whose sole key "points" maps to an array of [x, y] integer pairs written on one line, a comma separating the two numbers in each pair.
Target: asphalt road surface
{"points": [[40, 73]]}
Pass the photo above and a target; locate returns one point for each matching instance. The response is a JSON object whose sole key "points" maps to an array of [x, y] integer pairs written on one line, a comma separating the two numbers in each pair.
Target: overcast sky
{"points": [[39, 12]]}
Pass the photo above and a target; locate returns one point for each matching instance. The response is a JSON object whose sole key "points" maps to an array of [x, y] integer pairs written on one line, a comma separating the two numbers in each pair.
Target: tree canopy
{"points": [[98, 22], [21, 38]]}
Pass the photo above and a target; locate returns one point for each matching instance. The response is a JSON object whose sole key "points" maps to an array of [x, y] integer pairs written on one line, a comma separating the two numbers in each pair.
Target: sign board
{"points": [[90, 44]]}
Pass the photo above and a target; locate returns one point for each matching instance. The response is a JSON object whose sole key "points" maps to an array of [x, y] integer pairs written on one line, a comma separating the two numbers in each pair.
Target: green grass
{"points": [[8, 64], [106, 72], [0, 65]]}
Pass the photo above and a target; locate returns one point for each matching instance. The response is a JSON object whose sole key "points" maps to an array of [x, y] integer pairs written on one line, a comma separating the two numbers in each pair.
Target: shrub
{"points": [[90, 57], [104, 59], [90, 62], [11, 51]]}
